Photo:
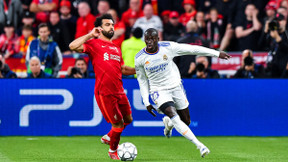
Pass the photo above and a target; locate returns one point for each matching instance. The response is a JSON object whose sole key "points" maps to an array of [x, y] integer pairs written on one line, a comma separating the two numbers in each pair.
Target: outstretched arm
{"points": [[77, 44], [187, 49], [127, 70]]}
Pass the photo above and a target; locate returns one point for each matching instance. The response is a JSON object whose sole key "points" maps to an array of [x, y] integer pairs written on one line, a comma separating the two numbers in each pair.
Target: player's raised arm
{"points": [[187, 49], [77, 44]]}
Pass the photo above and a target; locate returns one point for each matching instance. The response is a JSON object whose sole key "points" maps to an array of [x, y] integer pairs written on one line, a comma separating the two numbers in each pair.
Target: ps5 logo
{"points": [[65, 105]]}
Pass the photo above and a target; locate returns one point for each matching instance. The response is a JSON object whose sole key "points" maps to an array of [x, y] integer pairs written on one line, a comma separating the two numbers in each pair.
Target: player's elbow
{"points": [[72, 46]]}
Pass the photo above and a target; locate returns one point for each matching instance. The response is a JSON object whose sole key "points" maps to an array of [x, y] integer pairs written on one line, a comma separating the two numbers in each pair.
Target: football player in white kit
{"points": [[159, 76]]}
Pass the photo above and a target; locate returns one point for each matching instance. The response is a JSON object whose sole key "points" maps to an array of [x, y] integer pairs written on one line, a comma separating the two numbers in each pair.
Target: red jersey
{"points": [[185, 17], [107, 60]]}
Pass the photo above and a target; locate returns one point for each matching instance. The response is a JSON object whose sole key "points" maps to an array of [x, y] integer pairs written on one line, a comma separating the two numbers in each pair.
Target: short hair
{"points": [[151, 30], [27, 27], [35, 58], [99, 19], [42, 25], [137, 32], [80, 59]]}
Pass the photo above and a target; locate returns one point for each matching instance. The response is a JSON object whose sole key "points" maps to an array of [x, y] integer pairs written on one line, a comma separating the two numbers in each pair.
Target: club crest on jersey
{"points": [[165, 58]]}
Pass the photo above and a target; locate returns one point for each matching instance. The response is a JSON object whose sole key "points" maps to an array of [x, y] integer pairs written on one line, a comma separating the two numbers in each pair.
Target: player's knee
{"points": [[119, 124], [128, 119], [187, 122]]}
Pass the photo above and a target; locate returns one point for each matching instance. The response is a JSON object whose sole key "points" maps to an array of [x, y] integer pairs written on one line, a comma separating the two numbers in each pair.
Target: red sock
{"points": [[115, 137], [110, 132]]}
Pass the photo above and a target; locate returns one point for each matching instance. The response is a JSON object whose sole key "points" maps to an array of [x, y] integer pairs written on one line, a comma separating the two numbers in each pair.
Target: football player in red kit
{"points": [[108, 66]]}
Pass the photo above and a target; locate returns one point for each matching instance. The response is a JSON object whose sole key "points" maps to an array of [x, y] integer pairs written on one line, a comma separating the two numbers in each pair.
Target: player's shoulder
{"points": [[140, 53], [165, 43]]}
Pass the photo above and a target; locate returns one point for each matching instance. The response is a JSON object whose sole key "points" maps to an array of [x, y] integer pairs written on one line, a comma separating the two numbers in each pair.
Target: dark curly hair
{"points": [[99, 19]]}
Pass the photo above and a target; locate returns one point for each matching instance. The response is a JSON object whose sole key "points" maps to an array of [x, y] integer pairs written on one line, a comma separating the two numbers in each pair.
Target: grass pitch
{"points": [[176, 149]]}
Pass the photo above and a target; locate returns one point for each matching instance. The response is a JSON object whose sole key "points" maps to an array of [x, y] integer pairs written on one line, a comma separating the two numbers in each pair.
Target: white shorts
{"points": [[176, 95]]}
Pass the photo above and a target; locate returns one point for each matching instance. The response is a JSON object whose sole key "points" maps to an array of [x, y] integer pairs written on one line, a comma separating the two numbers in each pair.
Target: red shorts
{"points": [[113, 107]]}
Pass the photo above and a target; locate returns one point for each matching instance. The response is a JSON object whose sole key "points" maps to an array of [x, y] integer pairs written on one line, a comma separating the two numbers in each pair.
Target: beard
{"points": [[108, 34]]}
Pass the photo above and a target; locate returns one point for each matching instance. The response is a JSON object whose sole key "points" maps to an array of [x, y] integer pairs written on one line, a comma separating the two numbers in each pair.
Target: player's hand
{"points": [[95, 32], [224, 55], [150, 109]]}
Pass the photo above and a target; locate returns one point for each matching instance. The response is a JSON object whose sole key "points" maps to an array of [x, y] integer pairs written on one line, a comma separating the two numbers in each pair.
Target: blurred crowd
{"points": [[41, 30]]}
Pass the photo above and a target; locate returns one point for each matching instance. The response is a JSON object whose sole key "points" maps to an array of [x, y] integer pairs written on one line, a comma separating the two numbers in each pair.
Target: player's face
{"points": [[108, 28], [151, 40]]}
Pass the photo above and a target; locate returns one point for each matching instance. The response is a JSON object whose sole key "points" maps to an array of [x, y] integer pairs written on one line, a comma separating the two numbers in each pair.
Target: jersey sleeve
{"points": [[88, 46], [143, 82], [180, 49]]}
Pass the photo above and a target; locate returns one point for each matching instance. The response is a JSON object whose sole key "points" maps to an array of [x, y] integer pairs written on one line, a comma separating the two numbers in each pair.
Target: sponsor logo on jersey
{"points": [[106, 56], [112, 57], [157, 68], [165, 58], [115, 57], [147, 62]]}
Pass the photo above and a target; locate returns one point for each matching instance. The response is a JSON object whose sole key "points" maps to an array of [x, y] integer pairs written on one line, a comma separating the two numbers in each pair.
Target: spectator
{"points": [[149, 21], [26, 4], [165, 16], [57, 32], [119, 29], [215, 29], [202, 69], [248, 29], [275, 38], [270, 10], [186, 64], [131, 47], [79, 70], [69, 23], [190, 11], [132, 19], [206, 5], [200, 20], [103, 7], [9, 44], [173, 30], [25, 38], [248, 68], [133, 11], [28, 20], [46, 50], [42, 8], [5, 71], [36, 71], [85, 22], [10, 10], [283, 11]]}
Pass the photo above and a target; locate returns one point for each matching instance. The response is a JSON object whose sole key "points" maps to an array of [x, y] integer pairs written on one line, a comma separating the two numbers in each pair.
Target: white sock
{"points": [[170, 124], [184, 130]]}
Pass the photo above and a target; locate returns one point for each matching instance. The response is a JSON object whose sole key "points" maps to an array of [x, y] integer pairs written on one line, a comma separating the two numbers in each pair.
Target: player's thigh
{"points": [[125, 108], [109, 107], [161, 97], [179, 97]]}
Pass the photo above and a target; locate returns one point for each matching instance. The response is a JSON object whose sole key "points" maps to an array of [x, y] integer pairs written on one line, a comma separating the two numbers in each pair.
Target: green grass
{"points": [[150, 149]]}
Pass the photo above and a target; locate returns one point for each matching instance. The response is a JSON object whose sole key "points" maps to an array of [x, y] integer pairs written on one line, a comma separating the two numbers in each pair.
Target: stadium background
{"points": [[59, 120]]}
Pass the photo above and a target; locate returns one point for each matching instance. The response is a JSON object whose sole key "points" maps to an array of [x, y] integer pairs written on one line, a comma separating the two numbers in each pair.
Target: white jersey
{"points": [[157, 71]]}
